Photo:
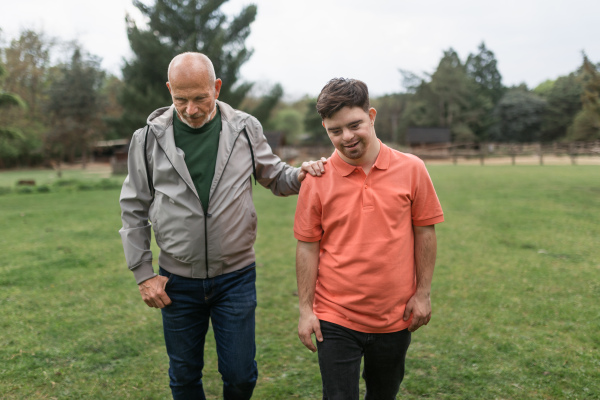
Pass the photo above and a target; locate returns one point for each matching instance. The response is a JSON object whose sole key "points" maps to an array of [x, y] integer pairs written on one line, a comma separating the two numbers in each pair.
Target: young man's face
{"points": [[352, 132]]}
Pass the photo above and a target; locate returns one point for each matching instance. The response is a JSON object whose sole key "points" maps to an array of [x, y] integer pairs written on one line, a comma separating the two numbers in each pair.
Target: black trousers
{"points": [[340, 355]]}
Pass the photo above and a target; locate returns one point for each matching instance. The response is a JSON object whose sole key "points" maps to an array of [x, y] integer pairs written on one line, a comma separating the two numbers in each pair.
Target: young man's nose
{"points": [[347, 135]]}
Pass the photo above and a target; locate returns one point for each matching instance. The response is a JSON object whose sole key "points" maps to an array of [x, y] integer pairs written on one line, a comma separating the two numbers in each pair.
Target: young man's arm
{"points": [[307, 263], [419, 304]]}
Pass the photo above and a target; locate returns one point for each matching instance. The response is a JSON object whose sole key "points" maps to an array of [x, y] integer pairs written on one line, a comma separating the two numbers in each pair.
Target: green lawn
{"points": [[515, 295]]}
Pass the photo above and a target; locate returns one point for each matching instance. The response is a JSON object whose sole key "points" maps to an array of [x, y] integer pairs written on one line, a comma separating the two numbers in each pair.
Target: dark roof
{"points": [[275, 139], [428, 135]]}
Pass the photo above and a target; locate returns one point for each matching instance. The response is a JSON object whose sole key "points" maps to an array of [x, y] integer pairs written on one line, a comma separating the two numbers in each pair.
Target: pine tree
{"points": [[174, 27]]}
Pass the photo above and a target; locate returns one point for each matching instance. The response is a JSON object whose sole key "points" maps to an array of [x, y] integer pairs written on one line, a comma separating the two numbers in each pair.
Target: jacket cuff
{"points": [[143, 271]]}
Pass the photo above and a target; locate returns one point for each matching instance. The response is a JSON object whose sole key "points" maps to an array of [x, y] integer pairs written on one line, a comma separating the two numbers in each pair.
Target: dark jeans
{"points": [[229, 301], [340, 355]]}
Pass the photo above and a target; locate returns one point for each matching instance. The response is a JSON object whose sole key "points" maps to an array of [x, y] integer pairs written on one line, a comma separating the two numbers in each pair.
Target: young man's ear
{"points": [[372, 115]]}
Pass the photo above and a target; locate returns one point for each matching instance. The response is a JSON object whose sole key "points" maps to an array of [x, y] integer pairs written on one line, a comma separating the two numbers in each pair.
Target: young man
{"points": [[366, 251], [190, 174]]}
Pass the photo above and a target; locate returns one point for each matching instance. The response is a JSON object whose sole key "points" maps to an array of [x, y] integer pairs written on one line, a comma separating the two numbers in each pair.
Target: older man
{"points": [[366, 251], [190, 175]]}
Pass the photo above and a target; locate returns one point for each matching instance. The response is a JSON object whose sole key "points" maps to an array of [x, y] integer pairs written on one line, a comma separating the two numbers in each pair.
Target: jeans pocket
{"points": [[167, 274]]}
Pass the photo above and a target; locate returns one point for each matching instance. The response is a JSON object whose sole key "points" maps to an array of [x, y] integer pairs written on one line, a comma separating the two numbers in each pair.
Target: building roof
{"points": [[428, 135]]}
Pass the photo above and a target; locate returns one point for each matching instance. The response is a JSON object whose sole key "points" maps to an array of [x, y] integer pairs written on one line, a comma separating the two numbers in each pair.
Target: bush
{"points": [[108, 184], [66, 182], [24, 190]]}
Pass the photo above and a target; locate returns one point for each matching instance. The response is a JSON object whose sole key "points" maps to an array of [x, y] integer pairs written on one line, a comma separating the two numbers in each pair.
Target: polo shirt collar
{"points": [[345, 169]]}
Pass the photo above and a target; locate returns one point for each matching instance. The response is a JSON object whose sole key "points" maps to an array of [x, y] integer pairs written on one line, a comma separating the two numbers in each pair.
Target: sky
{"points": [[302, 44]]}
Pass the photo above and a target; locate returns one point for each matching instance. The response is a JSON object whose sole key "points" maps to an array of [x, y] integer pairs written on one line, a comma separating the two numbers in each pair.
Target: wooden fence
{"points": [[512, 151]]}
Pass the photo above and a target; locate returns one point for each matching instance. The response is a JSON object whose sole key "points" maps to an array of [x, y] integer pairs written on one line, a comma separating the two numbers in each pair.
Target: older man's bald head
{"points": [[191, 64]]}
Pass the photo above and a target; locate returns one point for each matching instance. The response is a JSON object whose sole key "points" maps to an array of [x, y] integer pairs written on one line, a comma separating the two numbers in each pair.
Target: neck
{"points": [[365, 162]]}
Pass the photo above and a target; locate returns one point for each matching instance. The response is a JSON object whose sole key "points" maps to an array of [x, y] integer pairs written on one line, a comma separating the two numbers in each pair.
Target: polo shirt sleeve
{"points": [[426, 208], [307, 221]]}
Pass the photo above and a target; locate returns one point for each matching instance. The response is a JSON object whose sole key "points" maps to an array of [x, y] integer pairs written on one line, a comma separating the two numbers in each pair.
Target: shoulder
{"points": [[236, 120], [405, 160]]}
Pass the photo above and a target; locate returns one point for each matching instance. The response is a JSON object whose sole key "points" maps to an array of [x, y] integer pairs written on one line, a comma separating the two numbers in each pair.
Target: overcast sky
{"points": [[302, 44]]}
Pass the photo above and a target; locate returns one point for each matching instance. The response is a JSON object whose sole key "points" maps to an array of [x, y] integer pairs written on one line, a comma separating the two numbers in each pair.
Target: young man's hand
{"points": [[420, 307], [307, 325]]}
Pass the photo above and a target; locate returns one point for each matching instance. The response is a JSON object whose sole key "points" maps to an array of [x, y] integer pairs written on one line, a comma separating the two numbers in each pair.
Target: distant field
{"points": [[515, 294]]}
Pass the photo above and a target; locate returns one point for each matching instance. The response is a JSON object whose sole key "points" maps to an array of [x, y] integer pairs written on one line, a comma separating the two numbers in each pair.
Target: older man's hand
{"points": [[153, 292], [315, 168]]}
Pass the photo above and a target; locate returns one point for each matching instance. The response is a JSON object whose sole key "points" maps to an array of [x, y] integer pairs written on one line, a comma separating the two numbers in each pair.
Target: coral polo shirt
{"points": [[365, 227]]}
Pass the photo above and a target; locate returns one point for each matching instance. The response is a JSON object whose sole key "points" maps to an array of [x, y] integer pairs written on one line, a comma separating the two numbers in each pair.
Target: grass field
{"points": [[515, 295]]}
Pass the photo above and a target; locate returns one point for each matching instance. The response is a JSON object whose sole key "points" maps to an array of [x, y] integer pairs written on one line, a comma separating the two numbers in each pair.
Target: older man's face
{"points": [[194, 98]]}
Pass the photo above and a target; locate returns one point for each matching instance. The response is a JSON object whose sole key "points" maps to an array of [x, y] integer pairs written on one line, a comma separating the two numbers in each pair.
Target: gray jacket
{"points": [[197, 240]]}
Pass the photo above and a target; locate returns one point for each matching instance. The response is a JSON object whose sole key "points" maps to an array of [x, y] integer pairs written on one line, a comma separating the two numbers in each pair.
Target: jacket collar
{"points": [[233, 122]]}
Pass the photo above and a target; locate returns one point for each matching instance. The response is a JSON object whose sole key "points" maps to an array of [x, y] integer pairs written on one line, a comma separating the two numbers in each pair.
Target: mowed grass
{"points": [[515, 296]]}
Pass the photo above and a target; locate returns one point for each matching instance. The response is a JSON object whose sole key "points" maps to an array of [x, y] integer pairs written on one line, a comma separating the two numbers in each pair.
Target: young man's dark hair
{"points": [[341, 92]]}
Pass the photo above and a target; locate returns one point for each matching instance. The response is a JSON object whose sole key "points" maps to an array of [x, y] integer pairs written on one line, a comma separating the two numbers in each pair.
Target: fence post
{"points": [[482, 153], [541, 153]]}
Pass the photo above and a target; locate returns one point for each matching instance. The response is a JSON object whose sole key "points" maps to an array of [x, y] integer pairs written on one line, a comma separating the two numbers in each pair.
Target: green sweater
{"points": [[200, 148]]}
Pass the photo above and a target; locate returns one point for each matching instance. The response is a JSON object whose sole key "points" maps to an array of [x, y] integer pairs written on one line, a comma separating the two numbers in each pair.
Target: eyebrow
{"points": [[348, 124]]}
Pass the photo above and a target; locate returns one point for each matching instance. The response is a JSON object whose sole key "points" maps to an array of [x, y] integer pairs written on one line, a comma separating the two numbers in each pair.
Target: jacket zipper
{"points": [[206, 216], [206, 213]]}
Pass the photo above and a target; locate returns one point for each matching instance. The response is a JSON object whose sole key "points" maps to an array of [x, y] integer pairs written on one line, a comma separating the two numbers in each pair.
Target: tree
{"points": [[519, 113], [262, 111], [483, 69], [586, 125], [177, 26], [313, 124], [27, 63], [290, 122], [9, 100], [10, 137], [390, 109], [449, 100], [563, 97], [75, 105]]}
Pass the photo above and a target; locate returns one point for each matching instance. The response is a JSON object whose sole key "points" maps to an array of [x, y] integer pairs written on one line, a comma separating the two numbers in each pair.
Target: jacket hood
{"points": [[162, 118]]}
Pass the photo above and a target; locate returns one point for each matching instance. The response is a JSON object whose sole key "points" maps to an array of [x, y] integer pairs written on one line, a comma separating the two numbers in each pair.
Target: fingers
{"points": [[306, 327], [407, 311], [315, 168], [306, 340], [153, 292], [301, 176], [318, 333], [418, 322]]}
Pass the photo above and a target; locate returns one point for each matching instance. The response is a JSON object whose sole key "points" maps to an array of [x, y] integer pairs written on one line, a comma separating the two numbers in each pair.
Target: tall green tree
{"points": [[313, 124], [76, 106], [586, 125], [26, 60], [482, 68], [177, 26], [27, 64], [563, 97], [9, 137], [448, 100]]}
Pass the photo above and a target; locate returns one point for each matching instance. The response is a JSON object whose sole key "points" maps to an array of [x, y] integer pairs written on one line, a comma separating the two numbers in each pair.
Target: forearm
{"points": [[425, 255], [307, 263]]}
